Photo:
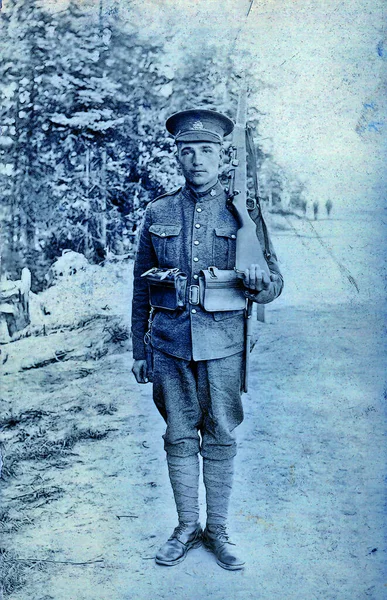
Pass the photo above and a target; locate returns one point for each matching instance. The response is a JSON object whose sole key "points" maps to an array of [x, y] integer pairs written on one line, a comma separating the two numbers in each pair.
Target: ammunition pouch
{"points": [[221, 290], [167, 288], [218, 289]]}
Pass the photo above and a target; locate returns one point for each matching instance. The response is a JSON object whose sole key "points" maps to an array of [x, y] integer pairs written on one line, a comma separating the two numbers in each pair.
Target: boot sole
{"points": [[165, 563], [224, 565]]}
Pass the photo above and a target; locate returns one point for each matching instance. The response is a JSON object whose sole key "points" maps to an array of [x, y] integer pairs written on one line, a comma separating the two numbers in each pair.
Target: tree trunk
{"points": [[16, 191], [103, 200], [87, 244]]}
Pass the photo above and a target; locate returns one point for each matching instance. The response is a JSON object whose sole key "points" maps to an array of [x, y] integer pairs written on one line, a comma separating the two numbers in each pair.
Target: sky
{"points": [[323, 63]]}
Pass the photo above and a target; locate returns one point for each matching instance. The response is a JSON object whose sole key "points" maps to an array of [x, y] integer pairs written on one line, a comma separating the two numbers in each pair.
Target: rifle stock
{"points": [[248, 248]]}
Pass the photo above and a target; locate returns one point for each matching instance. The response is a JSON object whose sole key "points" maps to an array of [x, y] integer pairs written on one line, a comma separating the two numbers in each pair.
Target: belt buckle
{"points": [[194, 294]]}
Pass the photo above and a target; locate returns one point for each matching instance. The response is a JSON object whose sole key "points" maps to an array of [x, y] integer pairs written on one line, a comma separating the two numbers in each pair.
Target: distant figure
{"points": [[328, 206], [315, 209], [304, 205]]}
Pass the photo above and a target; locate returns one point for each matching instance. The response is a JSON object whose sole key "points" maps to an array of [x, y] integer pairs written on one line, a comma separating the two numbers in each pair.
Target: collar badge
{"points": [[212, 192]]}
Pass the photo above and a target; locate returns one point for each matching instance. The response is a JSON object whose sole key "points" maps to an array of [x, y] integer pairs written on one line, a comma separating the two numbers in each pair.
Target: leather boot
{"points": [[215, 540], [184, 537]]}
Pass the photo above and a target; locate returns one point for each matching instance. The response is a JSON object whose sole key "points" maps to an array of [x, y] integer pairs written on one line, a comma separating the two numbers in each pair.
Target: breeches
{"points": [[202, 396]]}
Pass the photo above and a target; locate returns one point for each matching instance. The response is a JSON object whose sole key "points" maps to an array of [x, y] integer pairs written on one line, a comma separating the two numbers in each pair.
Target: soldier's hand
{"points": [[140, 371], [256, 279]]}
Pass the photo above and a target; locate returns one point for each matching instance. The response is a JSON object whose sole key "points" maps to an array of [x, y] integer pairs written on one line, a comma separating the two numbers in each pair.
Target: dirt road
{"points": [[86, 499]]}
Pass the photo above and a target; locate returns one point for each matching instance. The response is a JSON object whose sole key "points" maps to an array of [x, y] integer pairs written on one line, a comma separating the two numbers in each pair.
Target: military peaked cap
{"points": [[199, 125]]}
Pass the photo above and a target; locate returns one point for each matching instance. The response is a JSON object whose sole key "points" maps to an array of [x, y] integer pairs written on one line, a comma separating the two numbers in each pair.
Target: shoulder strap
{"points": [[172, 193], [253, 204], [257, 216]]}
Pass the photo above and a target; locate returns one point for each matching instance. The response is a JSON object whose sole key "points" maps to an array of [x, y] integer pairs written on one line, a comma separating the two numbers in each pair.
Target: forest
{"points": [[83, 148]]}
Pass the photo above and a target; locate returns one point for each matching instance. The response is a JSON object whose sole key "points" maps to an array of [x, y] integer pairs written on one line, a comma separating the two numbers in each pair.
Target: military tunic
{"points": [[198, 355], [191, 231]]}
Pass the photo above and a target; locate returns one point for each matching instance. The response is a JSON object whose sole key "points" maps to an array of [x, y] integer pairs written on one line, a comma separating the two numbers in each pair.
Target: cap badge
{"points": [[197, 125]]}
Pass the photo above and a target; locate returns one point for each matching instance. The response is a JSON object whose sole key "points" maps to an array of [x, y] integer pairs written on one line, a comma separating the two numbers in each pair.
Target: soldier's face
{"points": [[199, 162]]}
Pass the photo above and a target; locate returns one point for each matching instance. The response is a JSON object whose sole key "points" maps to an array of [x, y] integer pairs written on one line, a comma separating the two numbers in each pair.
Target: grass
{"points": [[9, 468], [27, 416], [47, 494], [78, 435], [42, 440], [12, 573], [37, 448], [10, 524], [105, 409], [118, 333]]}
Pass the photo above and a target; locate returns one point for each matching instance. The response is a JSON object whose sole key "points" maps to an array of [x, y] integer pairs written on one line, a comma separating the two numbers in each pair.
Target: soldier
{"points": [[197, 355], [315, 209]]}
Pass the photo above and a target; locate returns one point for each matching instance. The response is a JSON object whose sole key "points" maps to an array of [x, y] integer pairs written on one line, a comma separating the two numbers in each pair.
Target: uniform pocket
{"points": [[165, 242], [224, 248]]}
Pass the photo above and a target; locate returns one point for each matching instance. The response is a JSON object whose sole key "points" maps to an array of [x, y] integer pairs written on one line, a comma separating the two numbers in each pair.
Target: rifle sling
{"points": [[252, 165]]}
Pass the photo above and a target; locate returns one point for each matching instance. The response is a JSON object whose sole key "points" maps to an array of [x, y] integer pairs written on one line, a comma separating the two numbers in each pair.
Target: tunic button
{"points": [[233, 237], [197, 225], [196, 243], [198, 209], [163, 235], [196, 259], [193, 311], [196, 276]]}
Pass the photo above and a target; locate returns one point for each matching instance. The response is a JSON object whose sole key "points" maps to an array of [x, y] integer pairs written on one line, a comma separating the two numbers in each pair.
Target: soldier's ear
{"points": [[177, 160], [221, 156], [176, 154]]}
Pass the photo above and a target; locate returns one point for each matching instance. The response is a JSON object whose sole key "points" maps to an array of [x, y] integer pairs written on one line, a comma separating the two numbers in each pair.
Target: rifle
{"points": [[248, 247]]}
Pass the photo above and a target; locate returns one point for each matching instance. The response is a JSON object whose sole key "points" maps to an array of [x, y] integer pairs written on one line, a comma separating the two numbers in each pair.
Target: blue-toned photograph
{"points": [[192, 299]]}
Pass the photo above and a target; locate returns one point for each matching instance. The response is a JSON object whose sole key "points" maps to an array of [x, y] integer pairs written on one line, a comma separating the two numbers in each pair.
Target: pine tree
{"points": [[23, 29], [105, 83]]}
